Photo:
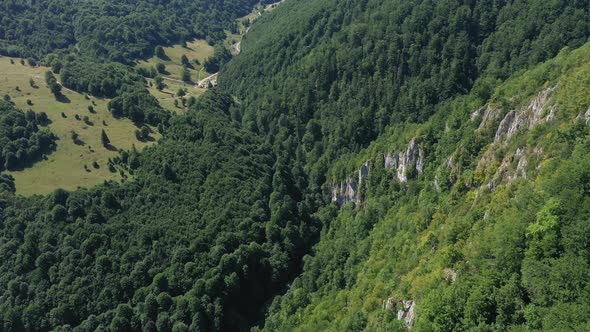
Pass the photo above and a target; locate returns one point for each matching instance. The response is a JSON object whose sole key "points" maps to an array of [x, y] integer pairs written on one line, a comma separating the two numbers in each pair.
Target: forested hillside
{"points": [[111, 30], [183, 245], [362, 166], [481, 225]]}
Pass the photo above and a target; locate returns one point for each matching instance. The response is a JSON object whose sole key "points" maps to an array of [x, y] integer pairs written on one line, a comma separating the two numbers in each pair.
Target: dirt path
{"points": [[206, 80], [175, 80]]}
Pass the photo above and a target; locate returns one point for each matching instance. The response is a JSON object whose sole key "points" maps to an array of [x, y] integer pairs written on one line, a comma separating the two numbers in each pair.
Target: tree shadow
{"points": [[110, 147], [80, 142], [164, 57], [63, 98], [145, 139]]}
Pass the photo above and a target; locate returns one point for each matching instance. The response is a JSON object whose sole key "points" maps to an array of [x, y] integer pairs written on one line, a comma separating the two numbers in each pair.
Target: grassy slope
{"points": [[197, 49], [64, 168], [419, 232]]}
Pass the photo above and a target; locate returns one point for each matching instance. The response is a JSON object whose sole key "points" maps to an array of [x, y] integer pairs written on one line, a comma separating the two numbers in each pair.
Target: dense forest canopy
{"points": [[348, 69], [111, 30], [232, 206], [185, 244], [22, 138]]}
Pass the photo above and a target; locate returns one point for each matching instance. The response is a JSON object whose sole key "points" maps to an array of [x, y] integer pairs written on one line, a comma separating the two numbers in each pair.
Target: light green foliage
{"points": [[516, 251]]}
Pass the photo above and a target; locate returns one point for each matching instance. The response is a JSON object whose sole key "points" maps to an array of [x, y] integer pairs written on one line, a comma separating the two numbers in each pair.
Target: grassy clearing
{"points": [[167, 96], [195, 50], [198, 49], [64, 168]]}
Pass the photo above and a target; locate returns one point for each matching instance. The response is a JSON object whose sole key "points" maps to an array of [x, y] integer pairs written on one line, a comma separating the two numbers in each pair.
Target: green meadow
{"points": [[65, 167]]}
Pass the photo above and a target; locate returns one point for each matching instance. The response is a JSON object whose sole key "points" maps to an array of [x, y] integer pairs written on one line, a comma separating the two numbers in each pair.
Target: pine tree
{"points": [[186, 75]]}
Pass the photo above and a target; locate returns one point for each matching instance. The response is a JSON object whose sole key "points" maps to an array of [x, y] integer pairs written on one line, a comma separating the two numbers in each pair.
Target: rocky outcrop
{"points": [[410, 159], [405, 310], [513, 166], [348, 191], [449, 275], [389, 304], [584, 116], [488, 115], [407, 313], [345, 192], [538, 111], [403, 162]]}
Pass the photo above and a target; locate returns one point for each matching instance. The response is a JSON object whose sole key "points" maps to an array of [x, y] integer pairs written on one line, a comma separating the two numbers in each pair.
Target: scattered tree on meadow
{"points": [[161, 68], [186, 75], [159, 51], [52, 83], [184, 60], [159, 82]]}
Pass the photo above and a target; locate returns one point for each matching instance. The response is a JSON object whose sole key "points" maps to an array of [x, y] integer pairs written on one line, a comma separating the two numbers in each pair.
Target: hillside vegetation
{"points": [[361, 166], [488, 235]]}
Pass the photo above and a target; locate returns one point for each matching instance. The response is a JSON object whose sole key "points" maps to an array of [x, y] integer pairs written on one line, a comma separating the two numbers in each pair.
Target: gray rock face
{"points": [[584, 116], [345, 192], [513, 166], [488, 114], [403, 161], [391, 160], [405, 310], [407, 313], [478, 112], [508, 126], [533, 115], [449, 275], [348, 191], [389, 304]]}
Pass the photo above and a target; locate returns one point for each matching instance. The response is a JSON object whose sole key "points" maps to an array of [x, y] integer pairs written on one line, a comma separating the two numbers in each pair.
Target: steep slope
{"points": [[387, 108], [486, 229], [182, 245]]}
